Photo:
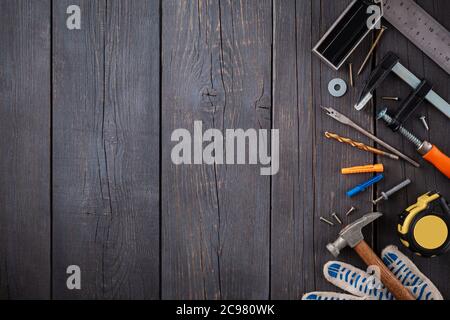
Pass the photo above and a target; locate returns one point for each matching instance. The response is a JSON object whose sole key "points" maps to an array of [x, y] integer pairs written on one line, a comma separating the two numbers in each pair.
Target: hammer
{"points": [[352, 236]]}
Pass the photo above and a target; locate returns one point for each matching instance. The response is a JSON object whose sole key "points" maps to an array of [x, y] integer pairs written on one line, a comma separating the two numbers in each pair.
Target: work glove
{"points": [[365, 286]]}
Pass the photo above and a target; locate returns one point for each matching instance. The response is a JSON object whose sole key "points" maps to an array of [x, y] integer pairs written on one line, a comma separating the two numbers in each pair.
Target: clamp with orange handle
{"points": [[429, 152], [432, 154]]}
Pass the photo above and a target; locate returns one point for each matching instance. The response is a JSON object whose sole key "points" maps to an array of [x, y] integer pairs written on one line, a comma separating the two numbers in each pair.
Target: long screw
{"points": [[335, 216], [374, 45], [327, 221], [359, 145]]}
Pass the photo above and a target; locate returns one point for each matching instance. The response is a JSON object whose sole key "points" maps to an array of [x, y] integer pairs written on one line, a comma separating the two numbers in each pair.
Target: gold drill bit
{"points": [[374, 45], [359, 145]]}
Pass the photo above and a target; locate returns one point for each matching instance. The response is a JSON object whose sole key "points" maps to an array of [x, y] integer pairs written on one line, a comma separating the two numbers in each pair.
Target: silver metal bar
{"points": [[432, 97]]}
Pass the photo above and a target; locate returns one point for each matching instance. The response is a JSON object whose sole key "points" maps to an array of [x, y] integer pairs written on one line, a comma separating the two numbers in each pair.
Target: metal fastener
{"points": [[372, 48], [425, 123], [349, 212], [386, 195], [337, 87], [391, 98], [335, 216], [326, 221], [350, 71]]}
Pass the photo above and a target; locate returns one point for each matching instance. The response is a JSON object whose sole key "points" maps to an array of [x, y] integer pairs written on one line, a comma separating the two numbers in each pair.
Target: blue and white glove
{"points": [[364, 285]]}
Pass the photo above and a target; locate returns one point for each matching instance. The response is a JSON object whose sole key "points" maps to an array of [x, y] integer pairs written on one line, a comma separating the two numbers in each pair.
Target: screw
{"points": [[375, 202], [372, 48], [349, 212], [335, 216], [424, 121], [350, 71], [326, 221], [383, 115], [391, 98]]}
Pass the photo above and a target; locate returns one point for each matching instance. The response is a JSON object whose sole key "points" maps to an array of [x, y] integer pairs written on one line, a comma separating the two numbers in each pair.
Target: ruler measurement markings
{"points": [[421, 29]]}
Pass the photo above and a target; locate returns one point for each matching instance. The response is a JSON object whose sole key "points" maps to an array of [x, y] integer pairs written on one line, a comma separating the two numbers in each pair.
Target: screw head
{"points": [[381, 114], [349, 212]]}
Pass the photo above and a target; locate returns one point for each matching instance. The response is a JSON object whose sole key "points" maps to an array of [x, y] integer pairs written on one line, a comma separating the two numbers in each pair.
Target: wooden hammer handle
{"points": [[387, 277]]}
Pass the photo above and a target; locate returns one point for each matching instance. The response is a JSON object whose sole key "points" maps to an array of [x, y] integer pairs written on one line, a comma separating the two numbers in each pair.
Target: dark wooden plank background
{"points": [[25, 113], [86, 122], [216, 64], [105, 149]]}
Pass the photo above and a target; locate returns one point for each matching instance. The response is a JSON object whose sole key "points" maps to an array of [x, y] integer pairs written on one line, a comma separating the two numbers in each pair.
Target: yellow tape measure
{"points": [[424, 227]]}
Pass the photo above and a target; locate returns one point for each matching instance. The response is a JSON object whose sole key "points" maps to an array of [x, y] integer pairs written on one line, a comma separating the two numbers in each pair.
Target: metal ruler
{"points": [[421, 29]]}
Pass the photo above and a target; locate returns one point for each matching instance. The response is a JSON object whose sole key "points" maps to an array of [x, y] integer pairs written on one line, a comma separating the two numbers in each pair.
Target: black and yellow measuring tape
{"points": [[424, 227]]}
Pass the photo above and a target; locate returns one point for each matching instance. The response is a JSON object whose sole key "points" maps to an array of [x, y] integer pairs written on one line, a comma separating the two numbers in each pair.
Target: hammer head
{"points": [[351, 235]]}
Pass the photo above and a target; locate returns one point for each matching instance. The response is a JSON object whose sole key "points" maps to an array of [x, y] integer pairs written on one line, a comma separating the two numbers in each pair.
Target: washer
{"points": [[337, 87]]}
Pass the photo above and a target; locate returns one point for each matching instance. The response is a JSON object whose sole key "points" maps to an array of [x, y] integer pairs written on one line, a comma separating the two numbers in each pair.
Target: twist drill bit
{"points": [[359, 145], [339, 117]]}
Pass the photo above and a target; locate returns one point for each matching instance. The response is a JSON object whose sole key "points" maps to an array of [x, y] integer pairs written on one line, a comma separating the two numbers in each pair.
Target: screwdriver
{"points": [[387, 194], [359, 145], [429, 152]]}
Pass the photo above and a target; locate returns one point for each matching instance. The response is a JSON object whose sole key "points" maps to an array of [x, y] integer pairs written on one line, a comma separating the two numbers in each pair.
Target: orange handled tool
{"points": [[433, 155], [428, 151]]}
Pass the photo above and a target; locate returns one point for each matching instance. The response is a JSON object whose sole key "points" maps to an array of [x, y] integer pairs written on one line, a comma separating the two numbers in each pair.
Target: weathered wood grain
{"points": [[292, 236], [426, 178], [25, 149], [106, 149], [329, 156], [84, 187], [215, 219]]}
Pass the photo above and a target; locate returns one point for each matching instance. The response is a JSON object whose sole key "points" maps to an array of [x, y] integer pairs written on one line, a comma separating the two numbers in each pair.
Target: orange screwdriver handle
{"points": [[439, 160]]}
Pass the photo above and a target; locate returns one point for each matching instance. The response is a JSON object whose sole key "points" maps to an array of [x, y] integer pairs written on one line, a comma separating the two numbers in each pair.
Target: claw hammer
{"points": [[352, 236]]}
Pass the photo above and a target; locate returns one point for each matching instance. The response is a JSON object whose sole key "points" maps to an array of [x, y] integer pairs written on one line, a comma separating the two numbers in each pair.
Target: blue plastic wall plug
{"points": [[363, 186]]}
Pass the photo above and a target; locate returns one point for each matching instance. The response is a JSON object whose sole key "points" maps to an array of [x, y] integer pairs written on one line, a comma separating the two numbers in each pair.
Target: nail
{"points": [[391, 98], [349, 212], [425, 123], [335, 216], [350, 71], [326, 221]]}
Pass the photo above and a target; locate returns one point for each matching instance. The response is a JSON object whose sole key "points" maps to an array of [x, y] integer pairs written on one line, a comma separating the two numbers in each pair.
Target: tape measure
{"points": [[424, 227], [421, 29]]}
